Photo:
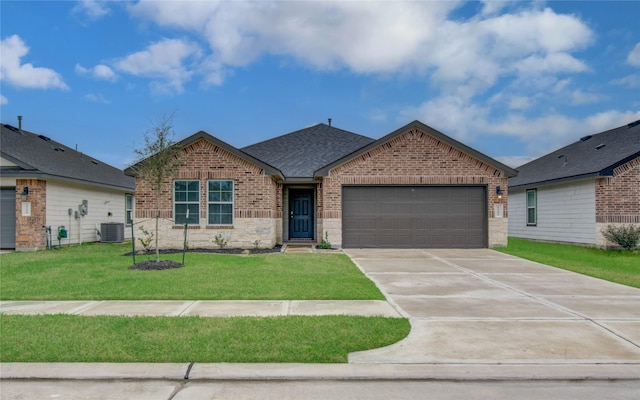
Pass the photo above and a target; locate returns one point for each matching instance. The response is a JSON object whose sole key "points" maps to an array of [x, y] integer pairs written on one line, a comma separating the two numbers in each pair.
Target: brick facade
{"points": [[618, 199], [256, 196], [413, 158], [30, 232]]}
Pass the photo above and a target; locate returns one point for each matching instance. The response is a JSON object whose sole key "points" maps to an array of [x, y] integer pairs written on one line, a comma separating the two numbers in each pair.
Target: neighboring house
{"points": [[47, 184], [413, 188], [571, 194]]}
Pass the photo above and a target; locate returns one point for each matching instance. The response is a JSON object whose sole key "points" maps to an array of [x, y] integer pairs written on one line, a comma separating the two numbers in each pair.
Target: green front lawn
{"points": [[611, 265], [69, 338], [99, 272]]}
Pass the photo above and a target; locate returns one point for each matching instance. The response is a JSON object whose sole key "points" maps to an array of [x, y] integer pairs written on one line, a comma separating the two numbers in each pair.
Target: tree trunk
{"points": [[157, 223]]}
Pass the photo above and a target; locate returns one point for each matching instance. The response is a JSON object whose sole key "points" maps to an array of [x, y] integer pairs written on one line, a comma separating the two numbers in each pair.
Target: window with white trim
{"points": [[220, 202], [128, 209], [186, 198], [532, 207]]}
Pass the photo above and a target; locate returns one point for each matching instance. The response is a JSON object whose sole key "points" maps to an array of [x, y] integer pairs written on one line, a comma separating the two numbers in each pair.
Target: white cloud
{"points": [[468, 122], [3, 100], [632, 81], [578, 97], [163, 61], [96, 98], [100, 71], [25, 75], [91, 9], [634, 56], [467, 56], [519, 103]]}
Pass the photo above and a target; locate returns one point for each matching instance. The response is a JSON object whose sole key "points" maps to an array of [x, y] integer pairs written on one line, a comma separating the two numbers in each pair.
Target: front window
{"points": [[128, 208], [186, 199], [220, 203], [532, 207]]}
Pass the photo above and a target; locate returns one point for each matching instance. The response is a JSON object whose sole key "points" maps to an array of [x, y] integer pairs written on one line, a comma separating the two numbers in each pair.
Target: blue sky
{"points": [[512, 79]]}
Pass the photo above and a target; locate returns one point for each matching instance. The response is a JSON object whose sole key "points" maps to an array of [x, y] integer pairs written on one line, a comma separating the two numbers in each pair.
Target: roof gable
{"points": [[592, 155], [39, 156], [507, 171], [300, 153], [202, 135]]}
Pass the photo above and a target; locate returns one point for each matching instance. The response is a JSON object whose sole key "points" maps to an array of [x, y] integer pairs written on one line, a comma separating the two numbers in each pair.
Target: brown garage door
{"points": [[414, 216]]}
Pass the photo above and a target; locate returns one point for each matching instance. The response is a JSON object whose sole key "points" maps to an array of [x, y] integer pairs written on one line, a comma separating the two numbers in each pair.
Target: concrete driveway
{"points": [[482, 306]]}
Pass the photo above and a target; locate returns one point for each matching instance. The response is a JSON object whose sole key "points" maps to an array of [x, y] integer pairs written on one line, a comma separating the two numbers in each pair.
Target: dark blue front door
{"points": [[300, 214]]}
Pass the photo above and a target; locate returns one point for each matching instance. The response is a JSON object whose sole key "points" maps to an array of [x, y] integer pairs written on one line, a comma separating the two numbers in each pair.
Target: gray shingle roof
{"points": [[298, 154], [592, 155], [40, 156]]}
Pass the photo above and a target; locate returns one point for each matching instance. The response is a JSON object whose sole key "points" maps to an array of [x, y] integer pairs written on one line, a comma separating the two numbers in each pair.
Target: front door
{"points": [[301, 214]]}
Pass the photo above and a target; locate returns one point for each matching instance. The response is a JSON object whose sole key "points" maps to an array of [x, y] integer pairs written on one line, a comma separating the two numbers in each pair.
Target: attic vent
{"points": [[59, 149], [94, 162], [601, 145], [11, 128], [585, 138], [631, 125], [43, 137]]}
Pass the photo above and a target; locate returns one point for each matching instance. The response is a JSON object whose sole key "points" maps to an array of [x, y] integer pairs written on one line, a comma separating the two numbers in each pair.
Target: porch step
{"points": [[299, 248]]}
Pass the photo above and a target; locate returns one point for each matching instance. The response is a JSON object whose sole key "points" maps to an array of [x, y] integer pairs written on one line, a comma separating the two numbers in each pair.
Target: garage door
{"points": [[8, 218], [414, 216]]}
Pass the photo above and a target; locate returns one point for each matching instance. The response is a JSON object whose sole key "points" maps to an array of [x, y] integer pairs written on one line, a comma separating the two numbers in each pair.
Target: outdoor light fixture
{"points": [[499, 191], [24, 193]]}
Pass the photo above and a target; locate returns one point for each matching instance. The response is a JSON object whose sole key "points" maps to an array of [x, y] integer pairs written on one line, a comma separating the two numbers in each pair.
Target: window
{"points": [[532, 207], [220, 203], [128, 209], [186, 197]]}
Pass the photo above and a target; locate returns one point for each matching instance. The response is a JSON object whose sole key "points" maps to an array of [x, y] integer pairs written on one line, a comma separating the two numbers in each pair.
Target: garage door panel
{"points": [[414, 216]]}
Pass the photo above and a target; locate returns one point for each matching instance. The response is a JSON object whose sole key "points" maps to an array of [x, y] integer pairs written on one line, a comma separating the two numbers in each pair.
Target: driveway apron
{"points": [[482, 306]]}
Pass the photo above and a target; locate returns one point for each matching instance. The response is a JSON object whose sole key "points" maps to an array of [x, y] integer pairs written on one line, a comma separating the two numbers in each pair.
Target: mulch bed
{"points": [[276, 249], [150, 265]]}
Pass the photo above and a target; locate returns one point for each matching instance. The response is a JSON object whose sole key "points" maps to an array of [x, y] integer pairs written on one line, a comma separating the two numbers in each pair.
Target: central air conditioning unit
{"points": [[112, 232]]}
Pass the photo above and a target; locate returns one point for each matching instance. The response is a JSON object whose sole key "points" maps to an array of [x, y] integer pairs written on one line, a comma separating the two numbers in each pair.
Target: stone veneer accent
{"points": [[30, 234], [618, 199], [413, 158], [243, 234]]}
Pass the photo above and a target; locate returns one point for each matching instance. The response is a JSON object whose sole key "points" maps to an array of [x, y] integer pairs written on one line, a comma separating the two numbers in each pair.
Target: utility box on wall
{"points": [[112, 232]]}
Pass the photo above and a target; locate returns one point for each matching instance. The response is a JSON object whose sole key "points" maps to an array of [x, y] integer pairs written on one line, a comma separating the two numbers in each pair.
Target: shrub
{"points": [[325, 244], [626, 236]]}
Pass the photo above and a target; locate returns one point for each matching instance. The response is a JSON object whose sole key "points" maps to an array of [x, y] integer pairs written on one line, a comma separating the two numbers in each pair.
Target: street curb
{"points": [[304, 372]]}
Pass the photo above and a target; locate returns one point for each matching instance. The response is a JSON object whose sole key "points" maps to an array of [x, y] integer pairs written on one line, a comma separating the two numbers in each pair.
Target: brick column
{"points": [[30, 232]]}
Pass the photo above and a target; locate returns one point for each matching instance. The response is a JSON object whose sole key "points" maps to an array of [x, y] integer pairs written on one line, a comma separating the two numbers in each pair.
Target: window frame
{"points": [[193, 220], [533, 207], [210, 203], [128, 212]]}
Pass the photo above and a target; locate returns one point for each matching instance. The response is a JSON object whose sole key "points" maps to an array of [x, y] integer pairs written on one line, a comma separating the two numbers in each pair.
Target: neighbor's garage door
{"points": [[414, 216], [8, 218]]}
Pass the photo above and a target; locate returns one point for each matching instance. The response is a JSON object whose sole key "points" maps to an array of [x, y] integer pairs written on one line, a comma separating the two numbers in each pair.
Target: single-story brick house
{"points": [[47, 184], [571, 194], [413, 188]]}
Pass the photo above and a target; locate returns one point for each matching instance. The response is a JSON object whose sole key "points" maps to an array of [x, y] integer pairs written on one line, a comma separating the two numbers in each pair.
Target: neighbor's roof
{"points": [[299, 154], [507, 171], [592, 155], [38, 156]]}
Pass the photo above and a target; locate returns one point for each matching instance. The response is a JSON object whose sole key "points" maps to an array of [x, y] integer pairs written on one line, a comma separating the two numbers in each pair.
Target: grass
{"points": [[68, 338], [611, 265], [99, 272]]}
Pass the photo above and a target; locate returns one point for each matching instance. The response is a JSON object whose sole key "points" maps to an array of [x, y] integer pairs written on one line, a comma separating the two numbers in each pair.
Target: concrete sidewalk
{"points": [[209, 308]]}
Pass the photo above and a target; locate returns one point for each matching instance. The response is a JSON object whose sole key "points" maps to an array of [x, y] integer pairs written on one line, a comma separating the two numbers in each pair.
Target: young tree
{"points": [[157, 161]]}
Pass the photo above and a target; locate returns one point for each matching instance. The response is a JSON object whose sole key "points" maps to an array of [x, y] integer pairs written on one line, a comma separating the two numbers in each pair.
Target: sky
{"points": [[512, 79]]}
